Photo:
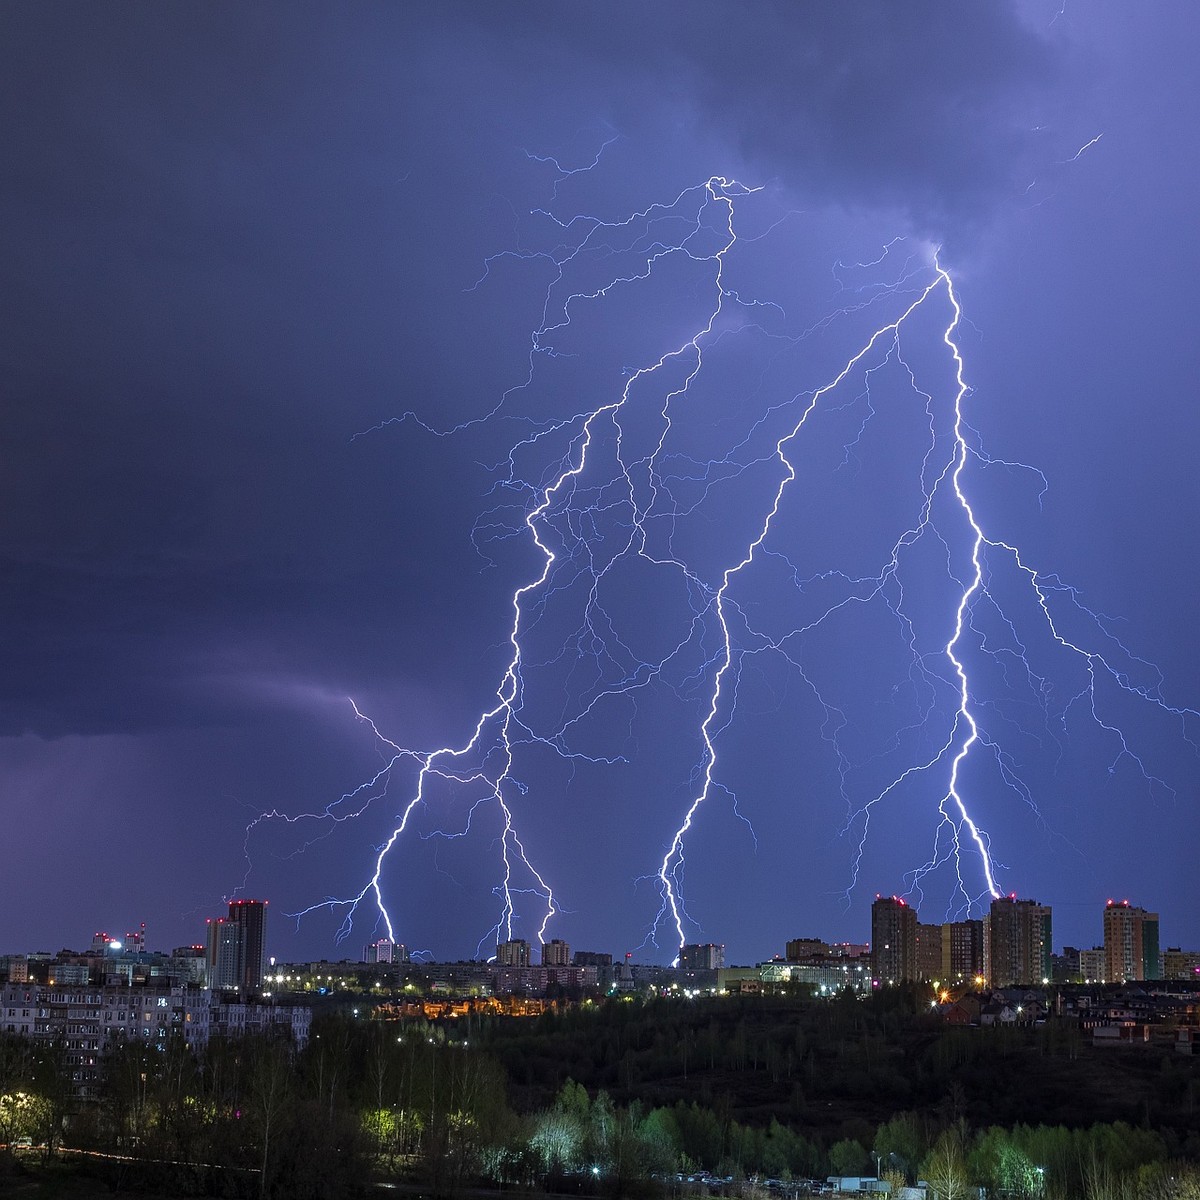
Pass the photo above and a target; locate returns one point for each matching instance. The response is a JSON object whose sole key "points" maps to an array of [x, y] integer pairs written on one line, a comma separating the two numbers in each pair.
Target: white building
{"points": [[87, 1019]]}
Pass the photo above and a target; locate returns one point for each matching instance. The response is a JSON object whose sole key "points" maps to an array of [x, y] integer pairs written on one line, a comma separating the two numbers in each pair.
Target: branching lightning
{"points": [[617, 481]]}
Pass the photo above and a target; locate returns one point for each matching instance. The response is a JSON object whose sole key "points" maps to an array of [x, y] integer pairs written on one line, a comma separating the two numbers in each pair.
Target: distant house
{"points": [[962, 1012], [1128, 1033]]}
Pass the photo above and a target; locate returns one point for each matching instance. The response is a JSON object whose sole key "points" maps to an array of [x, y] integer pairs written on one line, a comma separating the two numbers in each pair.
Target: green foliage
{"points": [[901, 1142], [848, 1157], [946, 1167], [611, 1097]]}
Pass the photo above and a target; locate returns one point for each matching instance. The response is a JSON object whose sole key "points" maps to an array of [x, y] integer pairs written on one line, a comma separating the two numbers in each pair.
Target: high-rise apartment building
{"points": [[705, 956], [385, 951], [236, 947], [1019, 942], [1130, 943], [223, 953], [962, 951], [514, 953], [929, 952], [556, 953], [893, 940], [250, 916]]}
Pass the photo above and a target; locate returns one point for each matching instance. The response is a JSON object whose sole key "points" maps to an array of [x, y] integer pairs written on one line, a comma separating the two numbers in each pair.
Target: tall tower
{"points": [[1018, 942], [381, 951], [556, 953], [931, 962], [962, 948], [1130, 943], [223, 953], [893, 940], [702, 956], [513, 953], [250, 917]]}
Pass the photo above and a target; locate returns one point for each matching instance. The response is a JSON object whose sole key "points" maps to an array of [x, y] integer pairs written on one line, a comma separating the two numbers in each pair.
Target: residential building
{"points": [[591, 958], [850, 949], [536, 981], [556, 953], [223, 953], [929, 952], [893, 940], [1180, 964], [1019, 941], [962, 951], [250, 916], [86, 1018], [514, 953], [15, 967], [802, 949], [1130, 943], [385, 951], [1092, 965], [705, 956]]}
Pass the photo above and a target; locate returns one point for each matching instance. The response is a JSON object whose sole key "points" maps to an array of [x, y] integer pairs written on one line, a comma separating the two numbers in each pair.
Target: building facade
{"points": [[537, 981], [706, 956], [1092, 965], [250, 916], [514, 953], [591, 958], [930, 964], [1130, 943], [962, 951], [223, 953], [556, 953], [385, 951], [825, 974], [893, 940], [1019, 942], [805, 948], [87, 1019], [1180, 964]]}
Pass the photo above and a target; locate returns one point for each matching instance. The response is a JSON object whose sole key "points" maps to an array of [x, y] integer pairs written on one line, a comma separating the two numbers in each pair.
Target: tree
{"points": [[659, 1134], [557, 1141], [15, 1099], [180, 1117], [946, 1166], [848, 1157], [1017, 1175], [128, 1070], [269, 1086], [901, 1142], [51, 1086]]}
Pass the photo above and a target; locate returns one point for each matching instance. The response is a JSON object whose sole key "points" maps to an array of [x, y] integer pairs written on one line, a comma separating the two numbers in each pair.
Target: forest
{"points": [[621, 1098]]}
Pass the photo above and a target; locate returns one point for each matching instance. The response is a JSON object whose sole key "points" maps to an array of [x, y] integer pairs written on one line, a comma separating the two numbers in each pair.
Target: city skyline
{"points": [[254, 576], [236, 955]]}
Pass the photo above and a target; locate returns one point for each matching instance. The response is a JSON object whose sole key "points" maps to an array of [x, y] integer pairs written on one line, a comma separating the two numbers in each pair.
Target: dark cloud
{"points": [[233, 237], [926, 107], [220, 270]]}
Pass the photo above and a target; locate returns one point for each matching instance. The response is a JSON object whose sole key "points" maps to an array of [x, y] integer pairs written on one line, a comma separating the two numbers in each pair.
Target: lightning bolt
{"points": [[596, 489]]}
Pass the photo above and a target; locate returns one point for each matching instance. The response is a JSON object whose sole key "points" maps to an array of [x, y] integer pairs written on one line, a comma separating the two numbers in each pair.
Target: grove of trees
{"points": [[619, 1099]]}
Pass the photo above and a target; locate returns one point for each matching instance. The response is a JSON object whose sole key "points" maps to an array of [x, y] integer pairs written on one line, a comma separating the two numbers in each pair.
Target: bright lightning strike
{"points": [[677, 481]]}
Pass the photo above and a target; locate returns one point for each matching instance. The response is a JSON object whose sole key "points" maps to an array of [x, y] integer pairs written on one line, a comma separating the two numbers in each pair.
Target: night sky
{"points": [[262, 261]]}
